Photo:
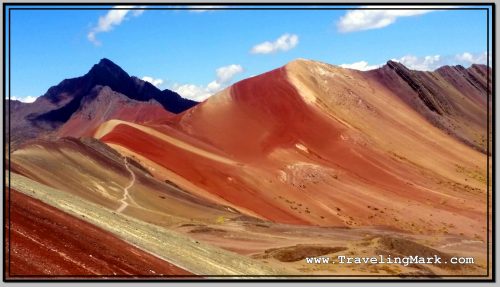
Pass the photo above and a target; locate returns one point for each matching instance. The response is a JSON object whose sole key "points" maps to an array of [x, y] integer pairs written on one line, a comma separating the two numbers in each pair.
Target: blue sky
{"points": [[198, 53]]}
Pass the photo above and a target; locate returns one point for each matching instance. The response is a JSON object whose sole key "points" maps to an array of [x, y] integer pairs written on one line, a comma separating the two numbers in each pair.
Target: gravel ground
{"points": [[189, 254]]}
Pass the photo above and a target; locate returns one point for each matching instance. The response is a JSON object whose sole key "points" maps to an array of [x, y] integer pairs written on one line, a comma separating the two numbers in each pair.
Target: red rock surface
{"points": [[47, 242], [208, 174], [315, 144]]}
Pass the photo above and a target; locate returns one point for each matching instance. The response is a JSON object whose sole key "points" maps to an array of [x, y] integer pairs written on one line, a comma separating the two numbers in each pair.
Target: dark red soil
{"points": [[47, 242], [205, 173]]}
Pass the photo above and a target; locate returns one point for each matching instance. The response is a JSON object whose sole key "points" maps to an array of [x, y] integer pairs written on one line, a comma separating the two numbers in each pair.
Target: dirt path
{"points": [[196, 257], [460, 243], [125, 190]]}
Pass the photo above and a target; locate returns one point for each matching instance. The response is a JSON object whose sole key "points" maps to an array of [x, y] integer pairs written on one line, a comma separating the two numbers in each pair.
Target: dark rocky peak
{"points": [[107, 72], [68, 95], [108, 64], [104, 73]]}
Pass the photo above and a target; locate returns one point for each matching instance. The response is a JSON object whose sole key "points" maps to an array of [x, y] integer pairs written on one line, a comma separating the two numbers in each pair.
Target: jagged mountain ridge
{"points": [[53, 109], [452, 98]]}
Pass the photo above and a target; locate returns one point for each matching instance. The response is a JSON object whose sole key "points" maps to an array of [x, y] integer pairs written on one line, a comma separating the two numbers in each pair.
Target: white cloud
{"points": [[466, 57], [192, 92], [358, 20], [213, 86], [155, 82], [224, 76], [427, 63], [361, 65], [469, 58], [282, 44], [27, 99], [112, 19], [430, 63]]}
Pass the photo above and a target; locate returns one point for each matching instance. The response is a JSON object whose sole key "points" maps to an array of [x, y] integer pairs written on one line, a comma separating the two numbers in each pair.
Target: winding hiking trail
{"points": [[184, 252], [125, 190]]}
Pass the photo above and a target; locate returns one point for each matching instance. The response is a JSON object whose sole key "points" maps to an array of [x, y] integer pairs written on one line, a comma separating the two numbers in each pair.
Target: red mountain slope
{"points": [[45, 241], [311, 143]]}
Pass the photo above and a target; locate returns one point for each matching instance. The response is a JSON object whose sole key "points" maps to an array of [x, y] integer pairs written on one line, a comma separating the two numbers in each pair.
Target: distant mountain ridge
{"points": [[107, 73], [62, 101], [452, 98]]}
